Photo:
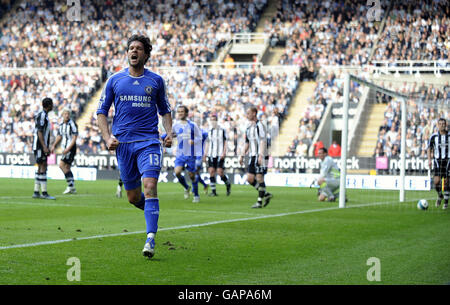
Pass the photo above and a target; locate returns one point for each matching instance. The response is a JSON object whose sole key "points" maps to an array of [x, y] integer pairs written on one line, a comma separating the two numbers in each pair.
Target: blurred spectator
{"points": [[334, 150], [318, 145]]}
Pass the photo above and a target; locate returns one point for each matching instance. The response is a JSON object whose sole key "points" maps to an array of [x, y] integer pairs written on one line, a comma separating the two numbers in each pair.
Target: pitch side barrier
{"points": [[382, 165], [284, 171], [381, 182]]}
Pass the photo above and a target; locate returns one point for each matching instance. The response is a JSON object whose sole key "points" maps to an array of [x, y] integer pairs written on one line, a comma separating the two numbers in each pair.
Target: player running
{"points": [[139, 95], [215, 149], [256, 148], [189, 147], [438, 152]]}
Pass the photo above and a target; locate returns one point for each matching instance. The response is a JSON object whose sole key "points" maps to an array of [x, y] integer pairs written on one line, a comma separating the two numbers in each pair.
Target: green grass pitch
{"points": [[295, 240]]}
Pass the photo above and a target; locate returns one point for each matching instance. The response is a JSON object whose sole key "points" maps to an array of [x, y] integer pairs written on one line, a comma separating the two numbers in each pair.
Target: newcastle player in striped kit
{"points": [[41, 148], [438, 147], [216, 148], [67, 136], [256, 148]]}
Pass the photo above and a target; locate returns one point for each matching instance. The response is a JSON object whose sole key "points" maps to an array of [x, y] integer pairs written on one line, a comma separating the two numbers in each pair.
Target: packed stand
{"points": [[416, 30], [38, 34], [427, 104], [318, 33], [21, 96], [227, 95]]}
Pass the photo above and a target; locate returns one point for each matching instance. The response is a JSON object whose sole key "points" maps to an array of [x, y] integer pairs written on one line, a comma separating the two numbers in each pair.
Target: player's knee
{"points": [[133, 197], [260, 179], [151, 193], [178, 171], [150, 186]]}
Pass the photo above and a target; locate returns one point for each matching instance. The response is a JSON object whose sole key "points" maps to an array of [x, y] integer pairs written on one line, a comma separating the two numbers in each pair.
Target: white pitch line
{"points": [[52, 242]]}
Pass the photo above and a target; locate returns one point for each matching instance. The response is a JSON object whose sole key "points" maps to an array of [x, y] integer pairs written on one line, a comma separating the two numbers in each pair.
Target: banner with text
{"points": [[280, 163]]}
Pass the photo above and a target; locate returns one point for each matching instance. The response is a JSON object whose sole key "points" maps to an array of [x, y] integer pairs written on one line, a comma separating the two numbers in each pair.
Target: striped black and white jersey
{"points": [[67, 131], [254, 134], [439, 145], [42, 123], [217, 138]]}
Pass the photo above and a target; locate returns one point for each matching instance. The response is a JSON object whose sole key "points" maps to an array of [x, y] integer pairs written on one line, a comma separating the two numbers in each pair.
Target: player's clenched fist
{"points": [[168, 141], [112, 143]]}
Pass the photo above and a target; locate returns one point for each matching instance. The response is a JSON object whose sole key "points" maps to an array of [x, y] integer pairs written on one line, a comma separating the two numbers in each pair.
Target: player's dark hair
{"points": [[324, 150], [144, 40], [47, 102], [186, 109], [443, 120]]}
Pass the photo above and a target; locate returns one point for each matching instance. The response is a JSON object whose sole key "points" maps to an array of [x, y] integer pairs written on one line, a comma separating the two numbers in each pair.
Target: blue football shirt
{"points": [[186, 132], [137, 102]]}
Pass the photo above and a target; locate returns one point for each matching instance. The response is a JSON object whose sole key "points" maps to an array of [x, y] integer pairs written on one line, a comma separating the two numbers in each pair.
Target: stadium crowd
{"points": [[38, 34], [429, 103], [318, 33], [207, 92], [314, 34], [415, 30], [21, 95]]}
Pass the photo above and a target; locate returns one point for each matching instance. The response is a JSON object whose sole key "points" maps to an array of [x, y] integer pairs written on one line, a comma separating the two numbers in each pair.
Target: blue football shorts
{"points": [[138, 160], [186, 162]]}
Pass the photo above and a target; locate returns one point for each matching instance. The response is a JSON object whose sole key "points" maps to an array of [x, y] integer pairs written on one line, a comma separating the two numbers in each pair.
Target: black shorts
{"points": [[255, 168], [70, 156], [40, 156], [441, 167], [216, 162]]}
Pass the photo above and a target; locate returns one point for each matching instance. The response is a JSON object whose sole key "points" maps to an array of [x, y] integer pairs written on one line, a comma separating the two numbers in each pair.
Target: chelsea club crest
{"points": [[148, 90]]}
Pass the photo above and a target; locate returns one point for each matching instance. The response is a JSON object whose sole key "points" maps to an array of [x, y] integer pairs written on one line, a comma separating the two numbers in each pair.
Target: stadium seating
{"points": [[181, 34], [315, 35], [21, 93], [210, 91], [421, 121]]}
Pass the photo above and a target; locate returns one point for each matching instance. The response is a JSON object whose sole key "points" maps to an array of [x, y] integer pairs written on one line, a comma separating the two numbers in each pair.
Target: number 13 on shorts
{"points": [[155, 159]]}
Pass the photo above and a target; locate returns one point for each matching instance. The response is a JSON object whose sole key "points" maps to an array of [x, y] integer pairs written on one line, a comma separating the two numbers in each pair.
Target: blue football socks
{"points": [[195, 186], [151, 212], [182, 181]]}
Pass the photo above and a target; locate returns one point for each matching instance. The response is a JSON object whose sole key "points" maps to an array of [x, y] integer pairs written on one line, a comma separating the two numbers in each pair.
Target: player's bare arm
{"points": [[167, 123], [71, 145], [41, 140], [224, 153], [206, 151], [111, 142], [55, 144], [261, 155], [241, 159], [429, 157]]}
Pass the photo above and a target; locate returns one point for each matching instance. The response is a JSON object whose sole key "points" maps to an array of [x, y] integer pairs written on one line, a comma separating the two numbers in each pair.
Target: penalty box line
{"points": [[52, 242]]}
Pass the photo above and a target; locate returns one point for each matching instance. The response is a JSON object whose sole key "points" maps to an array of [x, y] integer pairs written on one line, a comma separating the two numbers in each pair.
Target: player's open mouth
{"points": [[134, 57]]}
